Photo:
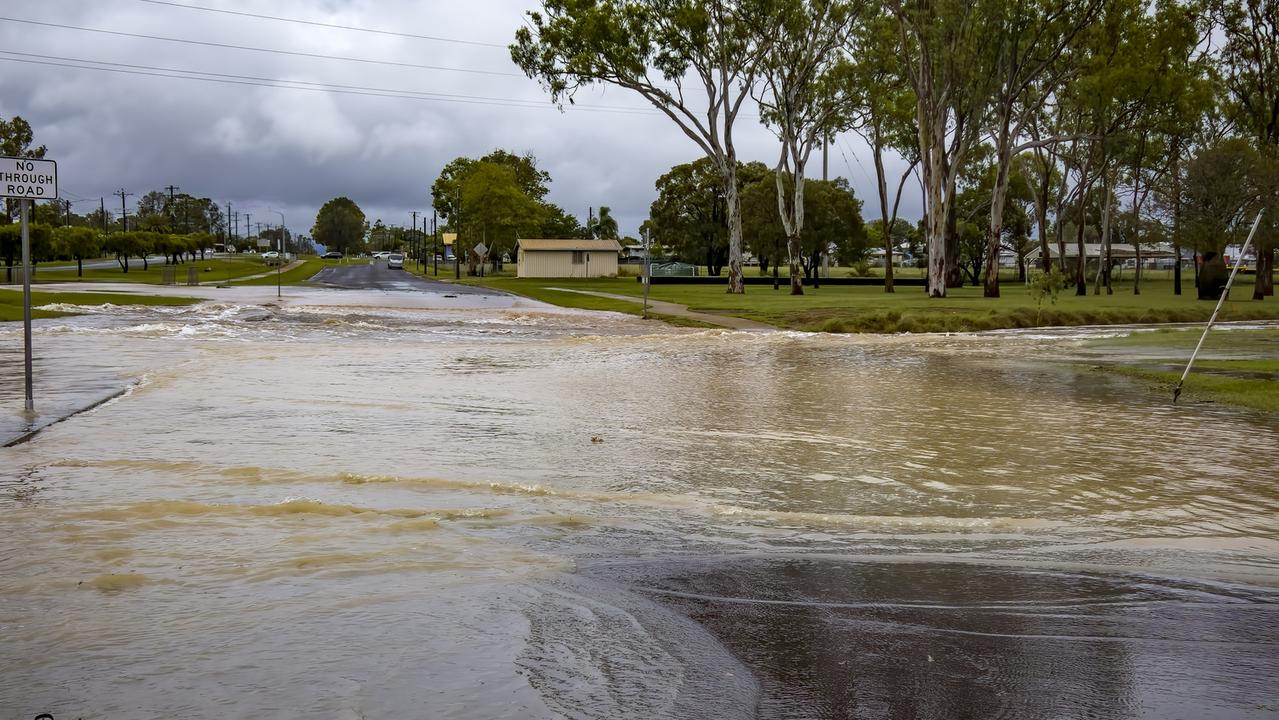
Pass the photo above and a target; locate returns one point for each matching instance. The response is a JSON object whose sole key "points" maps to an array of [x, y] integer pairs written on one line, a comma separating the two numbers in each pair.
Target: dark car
{"points": [[334, 255]]}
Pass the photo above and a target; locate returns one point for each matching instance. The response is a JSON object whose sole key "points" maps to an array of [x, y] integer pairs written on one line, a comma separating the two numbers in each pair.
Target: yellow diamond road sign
{"points": [[28, 178]]}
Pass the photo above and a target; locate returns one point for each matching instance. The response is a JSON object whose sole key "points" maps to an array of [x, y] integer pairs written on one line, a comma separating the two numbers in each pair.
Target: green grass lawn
{"points": [[298, 275], [209, 270], [870, 309], [11, 302]]}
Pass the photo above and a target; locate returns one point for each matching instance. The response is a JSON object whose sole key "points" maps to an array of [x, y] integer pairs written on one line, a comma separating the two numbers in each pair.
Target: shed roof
{"points": [[571, 244]]}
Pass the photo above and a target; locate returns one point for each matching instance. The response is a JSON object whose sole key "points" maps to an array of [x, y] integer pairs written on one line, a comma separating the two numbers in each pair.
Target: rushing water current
{"points": [[329, 510]]}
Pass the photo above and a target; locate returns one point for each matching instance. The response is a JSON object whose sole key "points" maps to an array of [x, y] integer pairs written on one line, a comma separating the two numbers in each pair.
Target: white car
{"points": [[381, 255], [395, 260]]}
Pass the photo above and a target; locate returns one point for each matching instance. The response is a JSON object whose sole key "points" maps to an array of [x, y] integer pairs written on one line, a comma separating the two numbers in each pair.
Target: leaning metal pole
{"points": [[1176, 393]]}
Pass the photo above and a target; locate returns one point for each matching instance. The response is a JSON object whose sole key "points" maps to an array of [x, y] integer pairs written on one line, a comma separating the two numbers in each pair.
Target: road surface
{"points": [[377, 276]]}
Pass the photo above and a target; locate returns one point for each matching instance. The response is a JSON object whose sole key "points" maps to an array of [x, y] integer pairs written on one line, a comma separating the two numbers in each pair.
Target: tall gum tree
{"points": [[1249, 66], [1031, 60], [883, 115], [803, 99], [694, 61], [944, 48]]}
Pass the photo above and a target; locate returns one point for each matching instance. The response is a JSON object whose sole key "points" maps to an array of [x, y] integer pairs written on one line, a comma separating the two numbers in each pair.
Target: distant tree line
{"points": [[1069, 121]]}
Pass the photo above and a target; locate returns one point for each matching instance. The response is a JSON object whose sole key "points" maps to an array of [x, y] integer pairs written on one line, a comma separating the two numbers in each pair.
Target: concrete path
{"points": [[666, 308]]}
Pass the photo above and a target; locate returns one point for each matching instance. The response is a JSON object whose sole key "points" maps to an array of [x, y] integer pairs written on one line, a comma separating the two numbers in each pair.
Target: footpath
{"points": [[667, 308]]}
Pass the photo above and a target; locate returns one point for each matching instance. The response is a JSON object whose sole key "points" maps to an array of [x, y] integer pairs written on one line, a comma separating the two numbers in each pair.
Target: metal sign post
{"points": [[648, 272], [26, 179]]}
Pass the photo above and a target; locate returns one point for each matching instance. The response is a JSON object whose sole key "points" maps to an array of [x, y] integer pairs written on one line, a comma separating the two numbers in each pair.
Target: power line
{"points": [[325, 25], [235, 79], [250, 48]]}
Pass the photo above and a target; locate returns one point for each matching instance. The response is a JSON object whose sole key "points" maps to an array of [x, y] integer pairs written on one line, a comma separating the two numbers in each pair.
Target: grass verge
{"points": [[209, 270], [1206, 384], [1236, 367], [849, 309], [11, 302], [298, 275]]}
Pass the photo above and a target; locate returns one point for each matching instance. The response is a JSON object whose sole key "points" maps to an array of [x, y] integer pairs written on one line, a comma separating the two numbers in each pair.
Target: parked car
{"points": [[395, 260], [381, 255], [270, 254], [332, 255]]}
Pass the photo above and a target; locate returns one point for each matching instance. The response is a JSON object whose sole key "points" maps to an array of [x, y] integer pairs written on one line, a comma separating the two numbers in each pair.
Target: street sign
{"points": [[28, 179], [264, 242]]}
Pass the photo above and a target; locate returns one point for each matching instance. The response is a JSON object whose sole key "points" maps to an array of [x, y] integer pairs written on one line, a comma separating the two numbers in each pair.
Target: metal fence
{"points": [[672, 269], [12, 275]]}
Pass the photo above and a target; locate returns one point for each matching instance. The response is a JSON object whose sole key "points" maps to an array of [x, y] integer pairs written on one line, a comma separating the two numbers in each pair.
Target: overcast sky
{"points": [[291, 150]]}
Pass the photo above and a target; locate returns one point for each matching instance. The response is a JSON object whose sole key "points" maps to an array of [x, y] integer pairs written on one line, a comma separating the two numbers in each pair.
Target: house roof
{"points": [[570, 244], [1117, 250]]}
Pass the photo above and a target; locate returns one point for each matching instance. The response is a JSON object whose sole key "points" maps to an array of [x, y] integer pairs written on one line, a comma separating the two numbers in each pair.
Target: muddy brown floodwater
{"points": [[320, 508]]}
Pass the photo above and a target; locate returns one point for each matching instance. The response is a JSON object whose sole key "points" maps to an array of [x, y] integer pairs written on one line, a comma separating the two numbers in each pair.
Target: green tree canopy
{"points": [[495, 208], [340, 225]]}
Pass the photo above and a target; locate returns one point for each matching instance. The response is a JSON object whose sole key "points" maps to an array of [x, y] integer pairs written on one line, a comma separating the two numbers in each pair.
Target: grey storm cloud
{"points": [[234, 137]]}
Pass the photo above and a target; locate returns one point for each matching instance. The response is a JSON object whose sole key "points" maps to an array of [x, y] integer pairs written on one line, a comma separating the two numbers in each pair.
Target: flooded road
{"points": [[323, 508]]}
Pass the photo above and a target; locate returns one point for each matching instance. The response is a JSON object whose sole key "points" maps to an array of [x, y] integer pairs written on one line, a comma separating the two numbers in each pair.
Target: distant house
{"points": [[633, 254], [568, 258]]}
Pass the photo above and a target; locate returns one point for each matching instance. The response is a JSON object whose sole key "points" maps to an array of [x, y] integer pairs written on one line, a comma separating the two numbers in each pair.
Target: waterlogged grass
{"points": [[11, 302], [1235, 367], [1263, 341], [1251, 392], [849, 309]]}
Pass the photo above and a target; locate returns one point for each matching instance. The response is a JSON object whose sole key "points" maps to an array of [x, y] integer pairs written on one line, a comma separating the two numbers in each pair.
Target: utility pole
{"points": [[124, 212], [103, 205], [66, 204], [172, 216], [414, 235], [248, 225], [590, 222], [227, 237], [435, 238]]}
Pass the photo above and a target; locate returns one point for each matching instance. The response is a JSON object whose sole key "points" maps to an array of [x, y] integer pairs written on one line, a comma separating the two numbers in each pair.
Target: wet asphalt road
{"points": [[362, 275]]}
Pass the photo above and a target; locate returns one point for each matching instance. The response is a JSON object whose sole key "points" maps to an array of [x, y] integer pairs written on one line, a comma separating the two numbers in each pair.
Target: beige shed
{"points": [[568, 258]]}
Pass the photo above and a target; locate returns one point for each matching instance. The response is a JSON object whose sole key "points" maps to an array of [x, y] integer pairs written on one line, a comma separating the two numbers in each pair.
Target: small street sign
{"points": [[28, 179]]}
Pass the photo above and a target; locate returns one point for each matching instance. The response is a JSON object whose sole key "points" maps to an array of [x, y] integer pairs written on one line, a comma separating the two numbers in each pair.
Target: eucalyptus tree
{"points": [[1102, 101], [1175, 100], [1249, 66], [695, 61], [944, 49], [803, 99], [1031, 59], [883, 115]]}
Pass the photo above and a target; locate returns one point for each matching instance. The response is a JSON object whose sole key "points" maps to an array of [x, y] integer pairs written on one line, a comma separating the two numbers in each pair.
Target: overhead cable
{"points": [[276, 51], [236, 79], [334, 26]]}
